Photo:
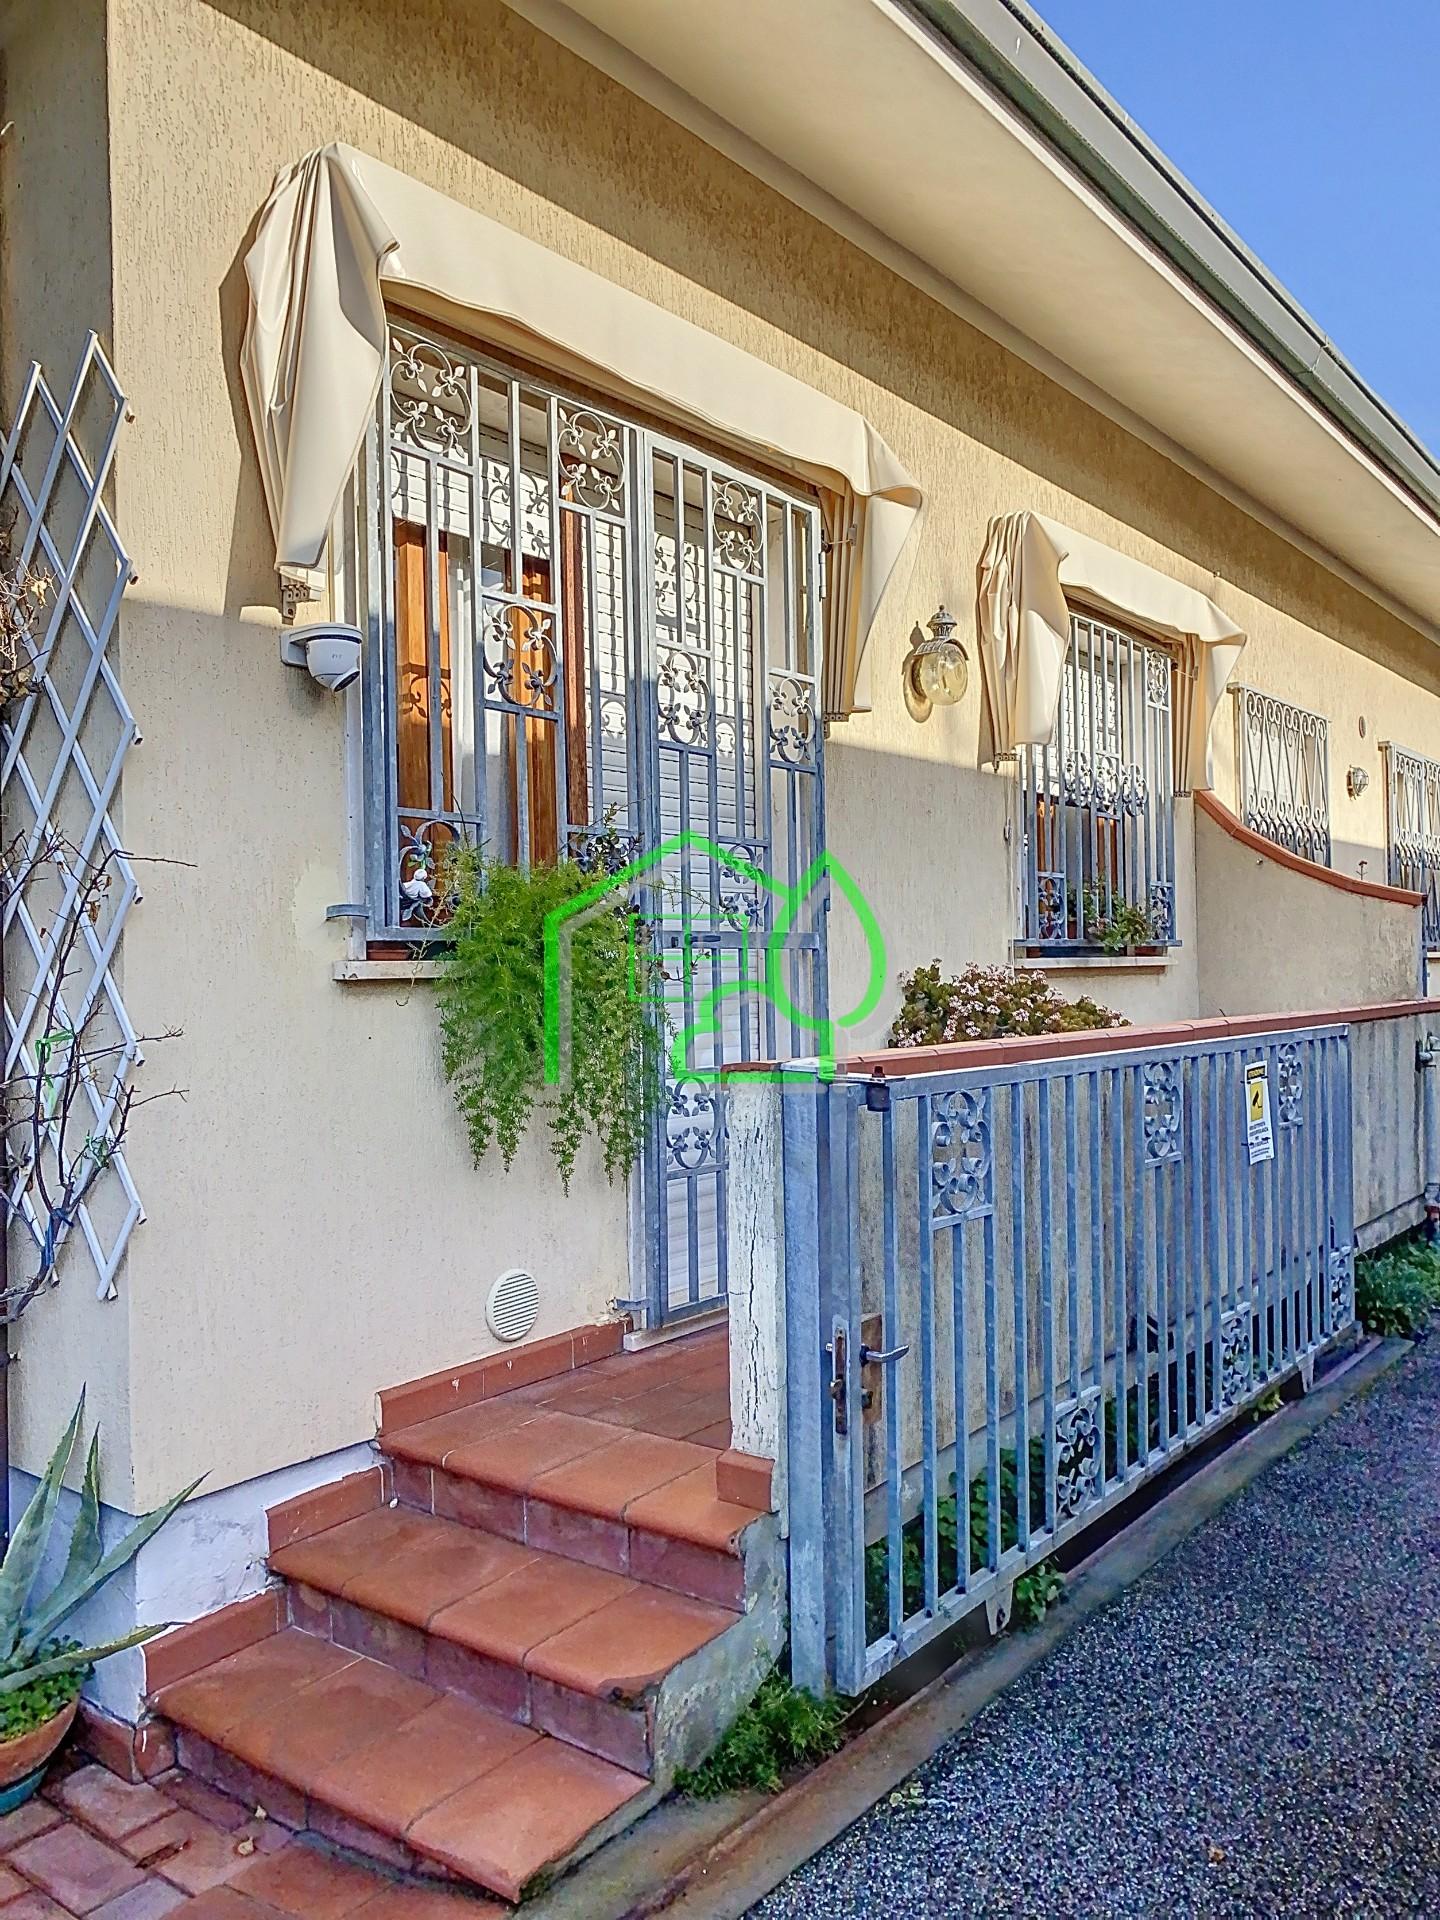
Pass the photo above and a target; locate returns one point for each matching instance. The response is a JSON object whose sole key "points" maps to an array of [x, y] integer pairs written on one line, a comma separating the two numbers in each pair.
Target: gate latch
{"points": [[870, 1358]]}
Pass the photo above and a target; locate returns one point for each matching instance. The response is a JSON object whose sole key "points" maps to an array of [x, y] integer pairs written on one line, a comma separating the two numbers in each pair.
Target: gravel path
{"points": [[1253, 1729]]}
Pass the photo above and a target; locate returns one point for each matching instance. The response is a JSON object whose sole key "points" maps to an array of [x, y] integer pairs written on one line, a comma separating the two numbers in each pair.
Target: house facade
{"points": [[642, 411]]}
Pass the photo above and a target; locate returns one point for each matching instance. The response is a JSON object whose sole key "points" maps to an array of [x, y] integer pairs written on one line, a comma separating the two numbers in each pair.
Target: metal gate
{"points": [[731, 788], [586, 638], [1012, 1294]]}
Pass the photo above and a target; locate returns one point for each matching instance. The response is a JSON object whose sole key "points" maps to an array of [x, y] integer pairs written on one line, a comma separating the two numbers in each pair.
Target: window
{"points": [[577, 627], [1098, 804], [1283, 756], [1413, 830]]}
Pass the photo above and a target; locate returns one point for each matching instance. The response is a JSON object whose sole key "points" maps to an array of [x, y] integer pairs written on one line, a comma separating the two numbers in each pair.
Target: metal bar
{"points": [[1120, 1365], [1019, 1305], [960, 1302], [1046, 1175], [926, 1259], [995, 1541], [849, 1452], [1139, 1266], [895, 1545], [1216, 1160]]}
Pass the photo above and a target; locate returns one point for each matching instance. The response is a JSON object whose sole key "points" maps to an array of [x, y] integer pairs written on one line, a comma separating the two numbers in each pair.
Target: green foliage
{"points": [[31, 1706], [783, 1727], [1117, 925], [1036, 1592], [984, 1003], [1398, 1289], [492, 1005], [947, 1538], [31, 1656]]}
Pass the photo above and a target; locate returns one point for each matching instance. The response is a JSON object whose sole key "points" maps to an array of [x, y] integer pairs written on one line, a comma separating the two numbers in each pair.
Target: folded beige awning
{"points": [[340, 228], [1024, 617]]}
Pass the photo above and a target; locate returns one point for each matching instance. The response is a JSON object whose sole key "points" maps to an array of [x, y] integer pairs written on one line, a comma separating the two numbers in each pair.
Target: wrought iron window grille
{"points": [[1282, 754], [1097, 828], [586, 638], [1412, 830]]}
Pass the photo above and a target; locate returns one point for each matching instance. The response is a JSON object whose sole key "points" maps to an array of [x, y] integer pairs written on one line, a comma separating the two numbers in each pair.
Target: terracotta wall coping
{"points": [[1297, 863], [901, 1062]]}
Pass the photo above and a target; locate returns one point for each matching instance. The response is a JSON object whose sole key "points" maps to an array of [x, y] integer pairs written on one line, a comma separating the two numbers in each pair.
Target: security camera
{"points": [[329, 654]]}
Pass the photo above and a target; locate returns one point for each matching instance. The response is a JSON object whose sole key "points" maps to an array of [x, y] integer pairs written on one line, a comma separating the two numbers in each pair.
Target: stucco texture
{"points": [[316, 1230], [1279, 941]]}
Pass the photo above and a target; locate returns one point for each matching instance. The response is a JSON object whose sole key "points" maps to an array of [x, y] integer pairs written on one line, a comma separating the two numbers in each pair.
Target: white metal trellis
{"points": [[63, 748]]}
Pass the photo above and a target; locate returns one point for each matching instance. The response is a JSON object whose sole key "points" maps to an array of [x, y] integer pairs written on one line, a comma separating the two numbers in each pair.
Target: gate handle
{"points": [[870, 1358]]}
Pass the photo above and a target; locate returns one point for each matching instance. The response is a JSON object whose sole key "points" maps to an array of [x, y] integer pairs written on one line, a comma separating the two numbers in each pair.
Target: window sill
{"points": [[352, 973], [1093, 962]]}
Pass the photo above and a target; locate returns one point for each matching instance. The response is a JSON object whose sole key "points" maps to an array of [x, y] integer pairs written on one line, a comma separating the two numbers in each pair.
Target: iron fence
{"points": [[1012, 1294]]}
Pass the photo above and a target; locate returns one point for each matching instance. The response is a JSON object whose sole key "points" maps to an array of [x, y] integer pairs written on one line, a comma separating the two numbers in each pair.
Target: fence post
{"points": [[803, 1128], [755, 1235]]}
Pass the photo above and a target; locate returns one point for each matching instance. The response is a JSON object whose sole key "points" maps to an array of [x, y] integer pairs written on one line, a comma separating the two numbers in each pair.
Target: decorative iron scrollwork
{"points": [[430, 403], [1159, 673], [1290, 1085], [1107, 784], [739, 528], [1162, 912], [1079, 1454], [1163, 1111], [1134, 789], [692, 1124], [683, 695], [1237, 1355], [1341, 1289], [590, 451], [961, 1160], [1050, 905], [424, 844], [792, 720], [518, 656]]}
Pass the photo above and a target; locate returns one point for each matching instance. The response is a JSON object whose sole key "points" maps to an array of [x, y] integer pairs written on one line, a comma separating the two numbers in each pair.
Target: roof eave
{"points": [[1007, 43]]}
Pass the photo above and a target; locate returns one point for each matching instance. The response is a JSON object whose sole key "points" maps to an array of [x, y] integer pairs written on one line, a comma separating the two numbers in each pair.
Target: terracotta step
{"points": [[380, 1760], [627, 1501], [573, 1649]]}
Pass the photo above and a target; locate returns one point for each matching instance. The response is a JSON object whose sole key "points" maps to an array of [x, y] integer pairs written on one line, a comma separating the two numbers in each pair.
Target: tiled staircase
{"points": [[492, 1651]]}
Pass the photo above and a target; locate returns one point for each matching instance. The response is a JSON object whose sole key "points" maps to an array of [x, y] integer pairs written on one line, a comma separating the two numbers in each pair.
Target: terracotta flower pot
{"points": [[24, 1759]]}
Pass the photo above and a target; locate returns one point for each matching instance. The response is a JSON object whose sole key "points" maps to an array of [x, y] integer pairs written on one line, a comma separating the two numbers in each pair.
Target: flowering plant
{"points": [[982, 1003]]}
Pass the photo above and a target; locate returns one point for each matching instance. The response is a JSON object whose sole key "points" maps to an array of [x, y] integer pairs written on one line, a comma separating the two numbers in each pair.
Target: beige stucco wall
{"points": [[315, 1228], [1276, 940], [1396, 1149]]}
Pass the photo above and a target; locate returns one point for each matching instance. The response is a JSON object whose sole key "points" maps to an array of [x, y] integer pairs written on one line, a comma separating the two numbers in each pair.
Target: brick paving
{"points": [[95, 1847]]}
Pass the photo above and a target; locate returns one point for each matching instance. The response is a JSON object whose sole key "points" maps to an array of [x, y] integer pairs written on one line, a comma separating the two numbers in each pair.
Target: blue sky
{"points": [[1313, 128]]}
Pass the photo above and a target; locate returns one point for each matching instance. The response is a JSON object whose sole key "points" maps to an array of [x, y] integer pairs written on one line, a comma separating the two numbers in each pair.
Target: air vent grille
{"points": [[513, 1306]]}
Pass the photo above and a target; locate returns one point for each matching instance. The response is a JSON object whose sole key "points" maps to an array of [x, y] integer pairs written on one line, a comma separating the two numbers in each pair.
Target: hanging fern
{"points": [[492, 1002]]}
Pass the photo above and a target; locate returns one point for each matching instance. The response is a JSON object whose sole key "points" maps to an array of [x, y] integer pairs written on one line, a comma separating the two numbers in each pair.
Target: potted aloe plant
{"points": [[41, 1671]]}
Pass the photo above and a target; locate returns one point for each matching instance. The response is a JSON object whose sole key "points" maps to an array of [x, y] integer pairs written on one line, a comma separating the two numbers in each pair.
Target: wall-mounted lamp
{"points": [[1356, 781], [936, 670]]}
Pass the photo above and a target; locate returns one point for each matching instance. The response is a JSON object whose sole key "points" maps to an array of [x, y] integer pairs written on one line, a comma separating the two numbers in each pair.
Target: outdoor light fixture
{"points": [[1356, 781], [936, 670]]}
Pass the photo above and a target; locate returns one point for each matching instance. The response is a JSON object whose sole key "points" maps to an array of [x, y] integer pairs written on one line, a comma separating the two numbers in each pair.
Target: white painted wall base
{"points": [[211, 1552]]}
